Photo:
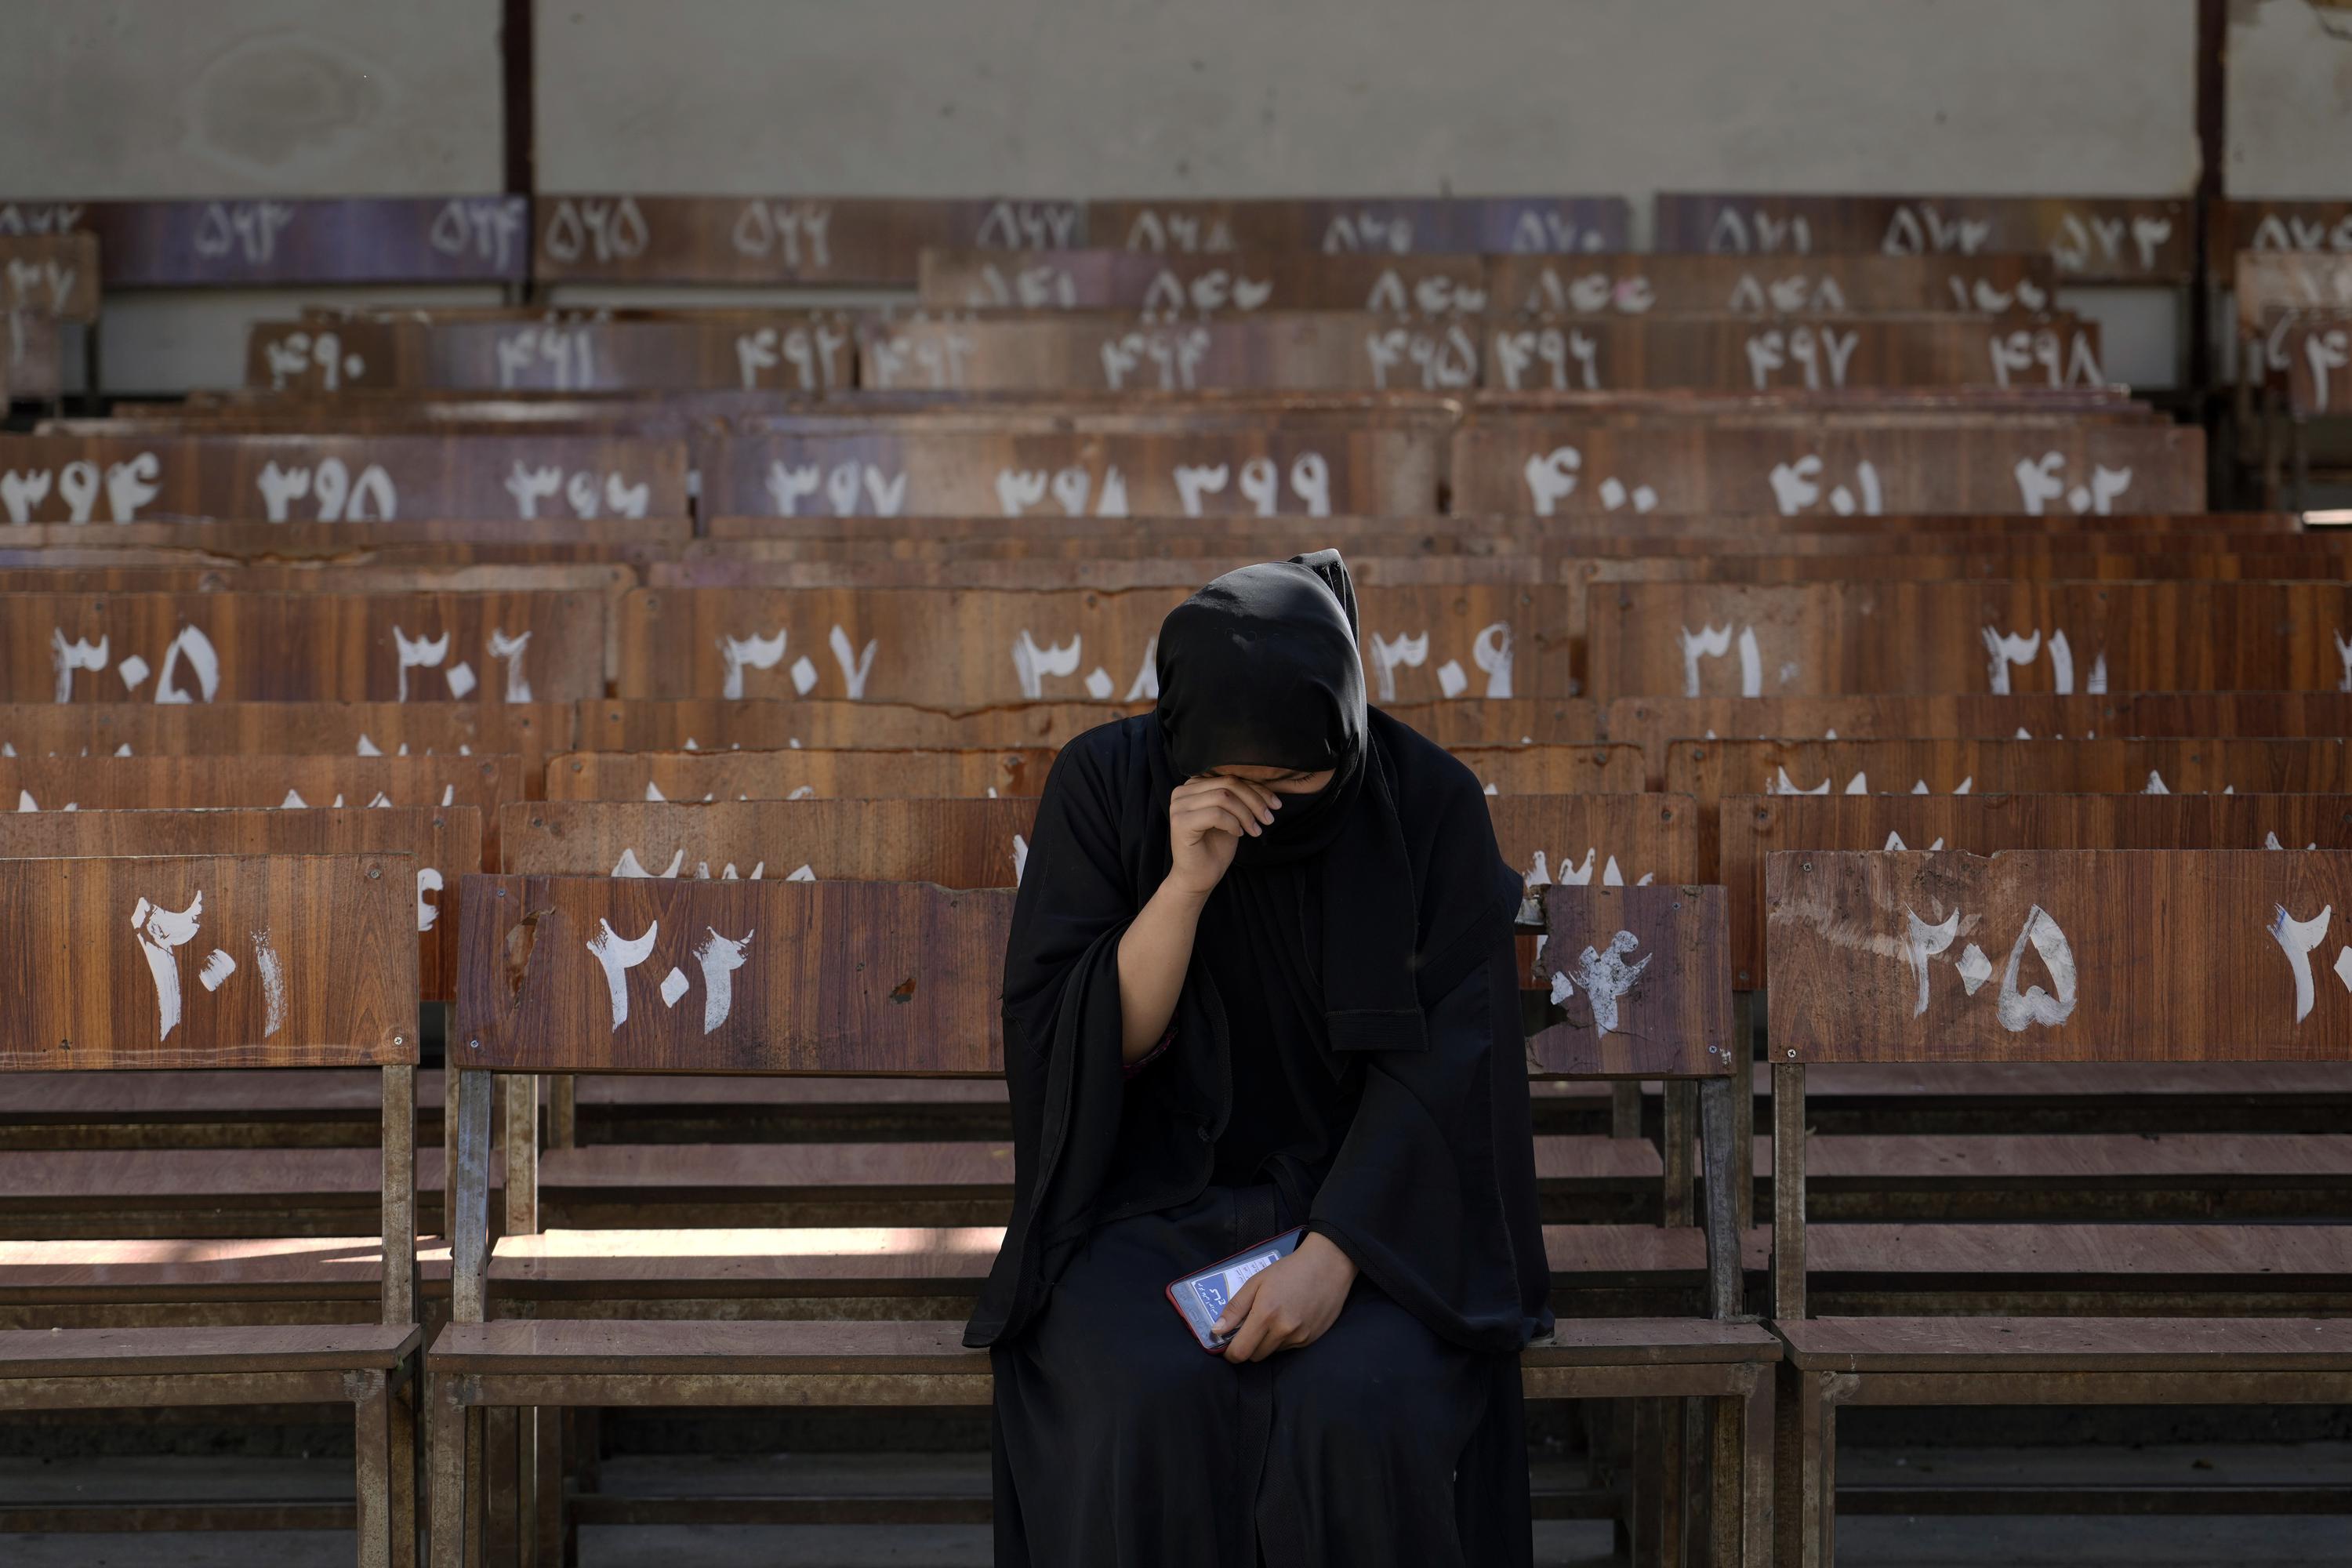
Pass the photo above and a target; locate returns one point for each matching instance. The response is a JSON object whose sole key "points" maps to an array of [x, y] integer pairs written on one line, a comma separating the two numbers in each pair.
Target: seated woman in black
{"points": [[1261, 976]]}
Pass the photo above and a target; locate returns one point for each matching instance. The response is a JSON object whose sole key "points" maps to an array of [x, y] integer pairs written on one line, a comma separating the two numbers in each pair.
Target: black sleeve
{"points": [[1432, 1194]]}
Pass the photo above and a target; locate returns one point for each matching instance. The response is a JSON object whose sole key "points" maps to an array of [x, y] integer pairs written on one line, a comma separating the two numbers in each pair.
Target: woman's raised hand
{"points": [[1208, 816]]}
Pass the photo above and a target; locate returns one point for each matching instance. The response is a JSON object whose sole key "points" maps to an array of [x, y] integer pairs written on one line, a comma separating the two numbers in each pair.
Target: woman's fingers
{"points": [[1238, 1307], [1252, 803], [1252, 797], [1198, 821]]}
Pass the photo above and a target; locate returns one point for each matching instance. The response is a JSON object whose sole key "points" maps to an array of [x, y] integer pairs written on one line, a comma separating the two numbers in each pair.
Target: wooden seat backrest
{"points": [[529, 731], [2058, 955], [955, 842], [279, 961], [777, 351], [943, 648], [329, 479], [755, 725], [1593, 284], [1755, 826], [881, 469], [49, 274], [1652, 721], [443, 844], [795, 774], [1562, 466], [2103, 239], [1712, 771], [305, 648], [1927, 638]]}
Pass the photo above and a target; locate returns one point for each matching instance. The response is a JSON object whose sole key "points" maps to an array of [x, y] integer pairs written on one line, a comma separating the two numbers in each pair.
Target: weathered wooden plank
{"points": [[231, 961], [32, 358], [211, 782], [53, 275], [1924, 639], [1171, 284], [775, 350], [2314, 347], [421, 539], [1639, 982], [301, 648], [1640, 284], [801, 774], [2265, 225], [2268, 281], [1306, 351], [1199, 283], [1953, 558], [531, 731], [971, 843], [1566, 465], [126, 574], [1556, 770], [1800, 353], [1379, 225], [1502, 720], [337, 479], [948, 649], [1596, 840], [575, 974], [880, 470], [765, 725], [283, 242], [2087, 238], [1652, 721], [1711, 770], [1113, 574], [2101, 955], [623, 238], [444, 843], [1753, 827]]}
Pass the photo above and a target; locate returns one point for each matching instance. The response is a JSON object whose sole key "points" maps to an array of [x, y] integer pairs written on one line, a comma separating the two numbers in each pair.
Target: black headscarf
{"points": [[1261, 668], [1433, 1189]]}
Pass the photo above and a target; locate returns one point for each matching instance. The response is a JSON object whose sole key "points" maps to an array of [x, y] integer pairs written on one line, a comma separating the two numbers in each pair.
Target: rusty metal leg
{"points": [[403, 1470], [371, 1451]]}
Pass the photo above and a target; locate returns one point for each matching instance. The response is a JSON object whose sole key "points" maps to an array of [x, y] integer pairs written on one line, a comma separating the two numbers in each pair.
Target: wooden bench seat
{"points": [[597, 1357], [130, 1352], [951, 1183], [117, 1193], [2010, 1345]]}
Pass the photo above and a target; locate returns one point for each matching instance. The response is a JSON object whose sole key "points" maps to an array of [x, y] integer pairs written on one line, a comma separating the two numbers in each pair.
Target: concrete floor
{"points": [[1869, 1542]]}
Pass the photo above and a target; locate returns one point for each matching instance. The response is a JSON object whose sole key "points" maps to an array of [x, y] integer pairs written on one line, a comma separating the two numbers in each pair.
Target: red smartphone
{"points": [[1200, 1298]]}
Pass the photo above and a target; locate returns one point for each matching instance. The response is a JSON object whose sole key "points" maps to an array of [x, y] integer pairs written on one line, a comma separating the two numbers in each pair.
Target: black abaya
{"points": [[1396, 1438]]}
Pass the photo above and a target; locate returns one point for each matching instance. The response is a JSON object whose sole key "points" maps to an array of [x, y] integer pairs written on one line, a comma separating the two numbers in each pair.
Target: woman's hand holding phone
{"points": [[1288, 1304]]}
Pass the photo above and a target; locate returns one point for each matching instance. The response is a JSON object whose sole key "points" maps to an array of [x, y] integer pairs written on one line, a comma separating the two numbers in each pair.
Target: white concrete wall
{"points": [[152, 98], [133, 100], [2290, 101], [1076, 97]]}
